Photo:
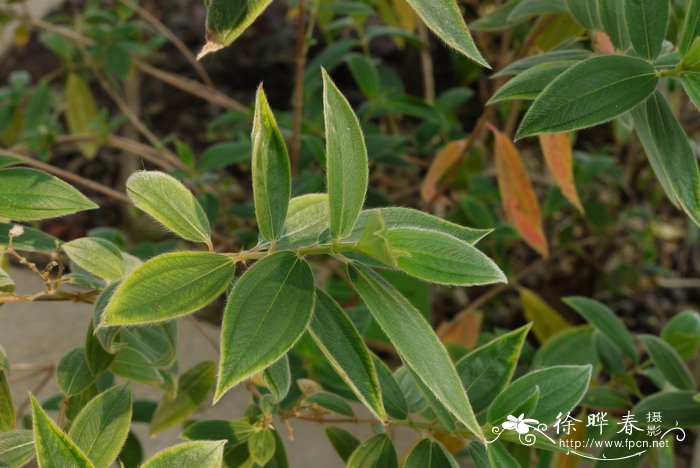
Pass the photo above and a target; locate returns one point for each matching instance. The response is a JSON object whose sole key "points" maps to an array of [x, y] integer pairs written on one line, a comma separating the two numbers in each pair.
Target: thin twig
{"points": [[67, 175], [426, 61], [44, 382], [172, 37], [202, 331]]}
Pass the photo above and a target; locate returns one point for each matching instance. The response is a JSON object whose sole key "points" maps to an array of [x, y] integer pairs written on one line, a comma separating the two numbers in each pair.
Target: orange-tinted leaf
{"points": [[577, 433], [519, 199], [546, 321], [464, 332], [443, 162], [559, 157], [451, 443]]}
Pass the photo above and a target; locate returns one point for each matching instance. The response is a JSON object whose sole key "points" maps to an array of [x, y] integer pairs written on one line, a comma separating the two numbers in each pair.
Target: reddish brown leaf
{"points": [[464, 332], [559, 157], [519, 199], [603, 44], [443, 162]]}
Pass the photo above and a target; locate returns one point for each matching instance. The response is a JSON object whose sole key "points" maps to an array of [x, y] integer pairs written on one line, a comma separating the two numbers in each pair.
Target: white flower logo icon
{"points": [[519, 424]]}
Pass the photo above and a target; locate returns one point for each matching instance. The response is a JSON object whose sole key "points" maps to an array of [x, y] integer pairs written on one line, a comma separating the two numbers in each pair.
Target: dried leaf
{"points": [[443, 162], [559, 157], [519, 199], [464, 332]]}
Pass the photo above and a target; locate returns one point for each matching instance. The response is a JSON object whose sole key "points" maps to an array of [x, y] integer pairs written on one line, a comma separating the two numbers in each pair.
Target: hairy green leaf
{"points": [[612, 18], [647, 22], [168, 201], [307, 221], [53, 447], [526, 9], [7, 285], [278, 378], [235, 432], [392, 396], [97, 256], [530, 83], [200, 454], [73, 373], [16, 448], [500, 456], [108, 337], [574, 346], [669, 153], [445, 20], [4, 360], [261, 446], [691, 84], [7, 405], [365, 73], [98, 359], [676, 408], [169, 286], [585, 12], [589, 93], [606, 321], [415, 341], [343, 442], [31, 240], [27, 194], [192, 389], [377, 452], [669, 363], [691, 26], [430, 453], [441, 258], [555, 56], [101, 427], [560, 389], [338, 339], [267, 312], [682, 332], [270, 170], [487, 370], [227, 19], [330, 402], [346, 160]]}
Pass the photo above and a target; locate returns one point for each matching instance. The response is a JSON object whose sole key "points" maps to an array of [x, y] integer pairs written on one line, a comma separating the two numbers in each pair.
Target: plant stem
{"points": [[298, 98]]}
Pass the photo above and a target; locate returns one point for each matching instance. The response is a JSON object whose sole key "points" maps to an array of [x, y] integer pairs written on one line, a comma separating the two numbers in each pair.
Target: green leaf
{"points": [[574, 346], [108, 337], [101, 427], [158, 343], [441, 258], [278, 378], [415, 341], [97, 256], [7, 285], [526, 9], [374, 242], [133, 365], [81, 113], [444, 18], [261, 446], [669, 363], [98, 359], [430, 453], [606, 398], [691, 85], [28, 194], [330, 402], [500, 457], [377, 452], [31, 240], [669, 153], [168, 201], [192, 389], [590, 93], [4, 361], [200, 454], [683, 333], [691, 26], [343, 442], [169, 286], [561, 388], [530, 83], [365, 74], [676, 408], [341, 343], [234, 432], [398, 217], [7, 406], [555, 56], [612, 18], [268, 310], [606, 321], [647, 22], [53, 447], [487, 370], [227, 19], [585, 12], [270, 170], [392, 396], [16, 448], [346, 160], [307, 220], [73, 373]]}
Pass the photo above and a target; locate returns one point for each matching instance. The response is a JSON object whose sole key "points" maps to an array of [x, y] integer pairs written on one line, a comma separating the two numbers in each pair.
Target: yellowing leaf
{"points": [[546, 321], [559, 157], [81, 112], [443, 162], [519, 199]]}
